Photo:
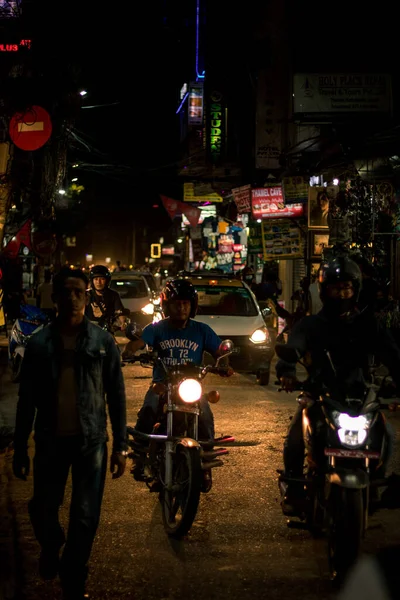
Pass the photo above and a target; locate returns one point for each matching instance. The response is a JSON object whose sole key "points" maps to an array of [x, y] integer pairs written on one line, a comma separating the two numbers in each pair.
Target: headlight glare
{"points": [[259, 336], [352, 431], [190, 390], [148, 309]]}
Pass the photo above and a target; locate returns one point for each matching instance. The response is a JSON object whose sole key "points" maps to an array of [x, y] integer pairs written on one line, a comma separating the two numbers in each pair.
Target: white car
{"points": [[230, 308], [135, 294]]}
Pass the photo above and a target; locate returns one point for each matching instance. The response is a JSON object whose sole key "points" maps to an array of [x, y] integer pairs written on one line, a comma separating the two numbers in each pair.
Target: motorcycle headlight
{"points": [[148, 309], [190, 390], [352, 431], [260, 336]]}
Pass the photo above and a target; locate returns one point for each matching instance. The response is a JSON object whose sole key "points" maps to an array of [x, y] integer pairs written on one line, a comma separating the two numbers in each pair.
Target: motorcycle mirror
{"points": [[287, 353], [226, 347]]}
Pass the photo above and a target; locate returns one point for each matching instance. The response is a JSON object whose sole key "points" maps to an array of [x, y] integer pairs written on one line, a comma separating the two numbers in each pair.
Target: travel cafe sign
{"points": [[268, 203]]}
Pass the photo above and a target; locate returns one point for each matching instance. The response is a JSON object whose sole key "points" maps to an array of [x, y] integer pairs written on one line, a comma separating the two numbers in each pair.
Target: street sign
{"points": [[31, 129]]}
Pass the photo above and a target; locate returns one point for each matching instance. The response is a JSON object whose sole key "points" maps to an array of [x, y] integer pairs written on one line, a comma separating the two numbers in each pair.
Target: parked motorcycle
{"points": [[175, 457], [30, 321], [345, 446]]}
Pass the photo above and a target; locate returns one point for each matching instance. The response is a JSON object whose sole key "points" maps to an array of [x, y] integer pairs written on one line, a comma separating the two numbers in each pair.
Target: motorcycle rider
{"points": [[350, 336], [104, 304], [177, 339]]}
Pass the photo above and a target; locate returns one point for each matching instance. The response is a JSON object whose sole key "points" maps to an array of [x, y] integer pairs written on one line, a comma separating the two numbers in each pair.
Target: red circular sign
{"points": [[31, 129], [44, 243]]}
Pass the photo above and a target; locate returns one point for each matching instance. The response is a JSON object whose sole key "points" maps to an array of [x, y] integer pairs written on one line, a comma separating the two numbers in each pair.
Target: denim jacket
{"points": [[99, 381]]}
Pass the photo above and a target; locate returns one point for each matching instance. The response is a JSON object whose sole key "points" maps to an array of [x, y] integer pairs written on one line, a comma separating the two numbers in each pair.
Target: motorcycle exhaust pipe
{"points": [[211, 464]]}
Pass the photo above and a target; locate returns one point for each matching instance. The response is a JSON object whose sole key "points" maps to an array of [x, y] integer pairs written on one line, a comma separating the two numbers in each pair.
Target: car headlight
{"points": [[148, 309], [190, 390], [260, 336], [352, 431]]}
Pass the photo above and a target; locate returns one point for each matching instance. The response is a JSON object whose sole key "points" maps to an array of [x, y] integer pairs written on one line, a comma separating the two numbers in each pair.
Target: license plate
{"points": [[343, 453]]}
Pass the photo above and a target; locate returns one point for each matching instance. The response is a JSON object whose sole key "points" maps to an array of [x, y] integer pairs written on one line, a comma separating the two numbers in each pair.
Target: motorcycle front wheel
{"points": [[179, 505], [346, 530]]}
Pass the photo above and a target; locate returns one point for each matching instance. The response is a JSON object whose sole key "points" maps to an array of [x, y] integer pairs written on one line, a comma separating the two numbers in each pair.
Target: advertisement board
{"points": [[268, 203], [342, 93], [281, 239]]}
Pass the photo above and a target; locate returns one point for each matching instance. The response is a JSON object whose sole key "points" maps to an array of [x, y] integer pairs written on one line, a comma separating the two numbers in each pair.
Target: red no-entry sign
{"points": [[31, 129]]}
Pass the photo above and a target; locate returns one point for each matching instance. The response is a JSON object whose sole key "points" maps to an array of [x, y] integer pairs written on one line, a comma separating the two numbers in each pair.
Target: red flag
{"points": [[22, 237], [173, 207], [192, 214]]}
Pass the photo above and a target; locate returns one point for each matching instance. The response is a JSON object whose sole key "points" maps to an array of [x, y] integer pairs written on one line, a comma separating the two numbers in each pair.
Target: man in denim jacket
{"points": [[71, 370]]}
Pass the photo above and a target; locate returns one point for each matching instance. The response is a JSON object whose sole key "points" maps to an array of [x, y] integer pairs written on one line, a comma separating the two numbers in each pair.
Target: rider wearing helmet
{"points": [[104, 304], [177, 339], [350, 337]]}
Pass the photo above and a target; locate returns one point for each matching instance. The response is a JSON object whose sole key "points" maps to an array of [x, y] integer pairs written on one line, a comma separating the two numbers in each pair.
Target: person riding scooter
{"points": [[177, 339], [349, 336]]}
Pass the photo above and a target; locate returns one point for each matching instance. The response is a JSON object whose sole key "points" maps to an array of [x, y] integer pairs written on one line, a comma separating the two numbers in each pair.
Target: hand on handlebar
{"points": [[289, 384], [159, 388]]}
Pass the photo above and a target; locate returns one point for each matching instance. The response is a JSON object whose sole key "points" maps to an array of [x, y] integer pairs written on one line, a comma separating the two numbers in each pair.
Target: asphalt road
{"points": [[239, 545]]}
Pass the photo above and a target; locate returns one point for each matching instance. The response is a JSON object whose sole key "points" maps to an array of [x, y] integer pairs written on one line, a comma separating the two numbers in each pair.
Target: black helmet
{"points": [[179, 289], [340, 268], [100, 271]]}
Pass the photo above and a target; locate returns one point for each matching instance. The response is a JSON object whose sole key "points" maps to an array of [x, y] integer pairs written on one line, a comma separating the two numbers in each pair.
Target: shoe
{"points": [[49, 562], [207, 481], [293, 499]]}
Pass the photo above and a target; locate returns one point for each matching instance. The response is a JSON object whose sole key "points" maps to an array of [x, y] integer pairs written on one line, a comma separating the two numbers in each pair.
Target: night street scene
{"points": [[199, 300]]}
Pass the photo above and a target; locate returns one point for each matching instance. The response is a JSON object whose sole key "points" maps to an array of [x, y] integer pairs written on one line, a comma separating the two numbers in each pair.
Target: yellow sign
{"points": [[155, 250], [189, 195]]}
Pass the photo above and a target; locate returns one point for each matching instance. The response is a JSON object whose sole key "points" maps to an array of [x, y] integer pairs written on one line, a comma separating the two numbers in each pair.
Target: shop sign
{"points": [[254, 239], [215, 127], [342, 93], [295, 189], [268, 203], [281, 239], [195, 111], [189, 195], [242, 198]]}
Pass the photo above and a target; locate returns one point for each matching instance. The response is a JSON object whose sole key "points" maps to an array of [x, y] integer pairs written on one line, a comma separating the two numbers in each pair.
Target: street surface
{"points": [[239, 545]]}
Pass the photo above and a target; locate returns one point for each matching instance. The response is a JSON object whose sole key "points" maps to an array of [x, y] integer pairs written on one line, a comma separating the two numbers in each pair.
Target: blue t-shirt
{"points": [[177, 346]]}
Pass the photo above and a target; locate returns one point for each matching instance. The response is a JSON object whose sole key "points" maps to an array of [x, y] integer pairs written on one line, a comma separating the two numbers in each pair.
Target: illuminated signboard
{"points": [[15, 47], [195, 111], [215, 126]]}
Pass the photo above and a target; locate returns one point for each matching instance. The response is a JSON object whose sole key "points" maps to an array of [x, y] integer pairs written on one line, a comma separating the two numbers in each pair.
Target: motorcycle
{"points": [[175, 458], [30, 321], [345, 446]]}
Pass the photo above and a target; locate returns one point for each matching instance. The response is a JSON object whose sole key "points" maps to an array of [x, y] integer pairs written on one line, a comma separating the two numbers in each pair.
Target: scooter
{"points": [[30, 321]]}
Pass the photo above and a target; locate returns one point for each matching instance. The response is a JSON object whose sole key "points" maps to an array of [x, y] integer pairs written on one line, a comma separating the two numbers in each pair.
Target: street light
{"points": [[74, 179], [62, 192], [83, 92]]}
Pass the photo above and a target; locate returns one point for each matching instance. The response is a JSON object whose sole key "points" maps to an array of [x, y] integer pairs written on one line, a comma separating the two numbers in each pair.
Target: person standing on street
{"points": [[71, 370]]}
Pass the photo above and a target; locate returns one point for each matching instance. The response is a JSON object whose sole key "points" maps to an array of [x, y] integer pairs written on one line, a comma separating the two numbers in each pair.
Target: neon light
{"points": [[182, 103], [197, 40]]}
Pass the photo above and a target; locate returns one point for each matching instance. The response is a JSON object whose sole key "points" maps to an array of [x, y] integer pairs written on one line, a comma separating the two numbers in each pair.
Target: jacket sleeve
{"points": [[26, 406], [298, 338], [114, 388]]}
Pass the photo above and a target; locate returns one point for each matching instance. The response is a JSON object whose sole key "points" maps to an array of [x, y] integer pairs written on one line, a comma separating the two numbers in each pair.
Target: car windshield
{"points": [[224, 300], [151, 282], [129, 288]]}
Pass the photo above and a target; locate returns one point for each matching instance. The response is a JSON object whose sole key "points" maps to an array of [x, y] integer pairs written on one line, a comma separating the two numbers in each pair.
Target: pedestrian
{"points": [[71, 369]]}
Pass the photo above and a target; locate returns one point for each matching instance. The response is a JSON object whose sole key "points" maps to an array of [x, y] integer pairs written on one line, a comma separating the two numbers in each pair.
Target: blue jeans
{"points": [[51, 465], [148, 413]]}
